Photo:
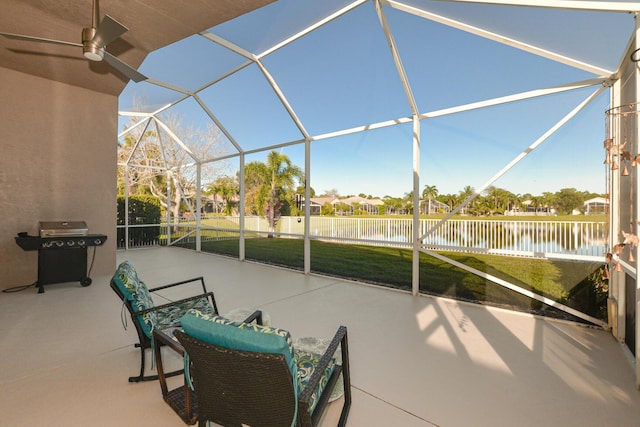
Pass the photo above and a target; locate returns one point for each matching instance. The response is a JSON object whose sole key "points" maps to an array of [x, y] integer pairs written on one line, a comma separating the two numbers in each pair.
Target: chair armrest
{"points": [[255, 316], [195, 279], [176, 302], [212, 298], [339, 339]]}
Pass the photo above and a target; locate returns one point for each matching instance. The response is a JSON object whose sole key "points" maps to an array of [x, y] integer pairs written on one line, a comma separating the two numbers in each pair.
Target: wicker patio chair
{"points": [[236, 386], [146, 316]]}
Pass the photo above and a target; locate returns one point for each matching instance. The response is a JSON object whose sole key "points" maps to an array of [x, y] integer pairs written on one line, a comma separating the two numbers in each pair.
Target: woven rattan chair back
{"points": [[236, 387]]}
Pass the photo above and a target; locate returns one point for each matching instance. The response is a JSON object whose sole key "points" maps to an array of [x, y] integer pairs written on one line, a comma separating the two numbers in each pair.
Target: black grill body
{"points": [[63, 257]]}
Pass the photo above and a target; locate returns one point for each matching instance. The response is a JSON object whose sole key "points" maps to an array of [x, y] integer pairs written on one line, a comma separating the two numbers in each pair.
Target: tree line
{"points": [[493, 201], [164, 169], [276, 187], [496, 201]]}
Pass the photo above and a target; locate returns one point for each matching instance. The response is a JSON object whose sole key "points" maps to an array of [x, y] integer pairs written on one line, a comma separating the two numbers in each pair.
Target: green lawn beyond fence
{"points": [[575, 284]]}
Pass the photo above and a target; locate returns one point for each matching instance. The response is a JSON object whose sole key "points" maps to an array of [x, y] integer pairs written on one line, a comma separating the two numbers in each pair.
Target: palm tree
{"points": [[429, 192], [548, 200], [227, 188], [465, 193], [448, 199], [535, 203], [281, 175], [393, 205], [501, 200], [407, 202], [255, 195]]}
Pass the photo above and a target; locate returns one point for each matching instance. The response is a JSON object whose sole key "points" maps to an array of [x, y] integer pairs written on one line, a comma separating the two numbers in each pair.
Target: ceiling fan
{"points": [[94, 42]]}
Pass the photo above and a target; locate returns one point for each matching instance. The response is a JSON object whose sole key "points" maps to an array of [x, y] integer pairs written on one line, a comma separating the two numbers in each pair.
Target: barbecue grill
{"points": [[62, 251]]}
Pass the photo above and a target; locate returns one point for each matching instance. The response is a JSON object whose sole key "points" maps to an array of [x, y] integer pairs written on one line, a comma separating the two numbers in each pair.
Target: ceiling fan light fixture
{"points": [[89, 49], [93, 53]]}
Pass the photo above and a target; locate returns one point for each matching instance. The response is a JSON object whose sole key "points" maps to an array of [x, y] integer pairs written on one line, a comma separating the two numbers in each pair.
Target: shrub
{"points": [[143, 209]]}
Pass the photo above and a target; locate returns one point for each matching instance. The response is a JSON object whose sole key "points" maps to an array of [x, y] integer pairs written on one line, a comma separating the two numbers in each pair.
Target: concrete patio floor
{"points": [[415, 361]]}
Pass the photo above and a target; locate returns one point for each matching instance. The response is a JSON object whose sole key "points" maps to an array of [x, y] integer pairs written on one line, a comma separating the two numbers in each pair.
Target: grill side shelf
{"points": [[28, 243]]}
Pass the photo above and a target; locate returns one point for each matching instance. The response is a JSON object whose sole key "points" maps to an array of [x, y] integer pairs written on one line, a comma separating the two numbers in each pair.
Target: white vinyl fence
{"points": [[584, 240]]}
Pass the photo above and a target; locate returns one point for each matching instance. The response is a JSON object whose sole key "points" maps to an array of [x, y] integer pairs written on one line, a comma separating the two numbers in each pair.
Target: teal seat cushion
{"points": [[170, 316], [223, 332]]}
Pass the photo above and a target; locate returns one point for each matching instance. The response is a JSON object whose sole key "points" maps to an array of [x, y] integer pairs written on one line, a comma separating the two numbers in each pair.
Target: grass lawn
{"points": [[563, 281]]}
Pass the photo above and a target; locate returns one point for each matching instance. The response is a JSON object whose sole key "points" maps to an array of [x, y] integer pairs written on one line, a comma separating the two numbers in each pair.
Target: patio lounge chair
{"points": [[247, 374], [146, 316]]}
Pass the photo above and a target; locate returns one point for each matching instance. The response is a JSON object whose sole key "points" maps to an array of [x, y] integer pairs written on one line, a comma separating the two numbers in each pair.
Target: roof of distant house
{"points": [[602, 200]]}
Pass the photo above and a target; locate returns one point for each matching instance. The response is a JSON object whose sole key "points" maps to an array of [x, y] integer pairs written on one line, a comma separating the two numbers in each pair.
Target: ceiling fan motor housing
{"points": [[89, 49]]}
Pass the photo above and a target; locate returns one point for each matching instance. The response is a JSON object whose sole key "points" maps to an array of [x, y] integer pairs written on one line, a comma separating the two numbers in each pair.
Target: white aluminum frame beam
{"points": [[635, 226], [499, 38], [313, 27], [518, 289], [593, 6], [517, 159], [270, 80], [218, 123], [137, 143], [396, 58], [176, 139]]}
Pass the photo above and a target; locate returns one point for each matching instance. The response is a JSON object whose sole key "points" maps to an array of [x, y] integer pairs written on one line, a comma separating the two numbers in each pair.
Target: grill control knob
{"points": [[70, 243], [81, 242], [97, 242], [59, 243]]}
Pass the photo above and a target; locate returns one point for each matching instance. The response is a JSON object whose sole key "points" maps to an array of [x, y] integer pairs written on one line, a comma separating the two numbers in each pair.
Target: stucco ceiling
{"points": [[152, 24]]}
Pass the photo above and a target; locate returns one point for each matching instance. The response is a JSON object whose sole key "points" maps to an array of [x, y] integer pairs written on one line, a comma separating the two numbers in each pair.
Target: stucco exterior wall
{"points": [[57, 162]]}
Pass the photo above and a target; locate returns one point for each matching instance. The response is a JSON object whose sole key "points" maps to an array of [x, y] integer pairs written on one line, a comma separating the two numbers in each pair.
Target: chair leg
{"points": [[154, 377], [346, 378], [142, 377]]}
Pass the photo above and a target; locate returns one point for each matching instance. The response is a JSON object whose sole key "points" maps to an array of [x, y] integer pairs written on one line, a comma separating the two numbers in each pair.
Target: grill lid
{"points": [[63, 228]]}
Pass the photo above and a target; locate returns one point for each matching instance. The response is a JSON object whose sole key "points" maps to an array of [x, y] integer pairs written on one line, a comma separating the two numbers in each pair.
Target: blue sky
{"points": [[342, 76]]}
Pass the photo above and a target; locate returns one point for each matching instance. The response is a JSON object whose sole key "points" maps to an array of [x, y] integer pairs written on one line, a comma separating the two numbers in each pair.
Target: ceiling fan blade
{"points": [[108, 31], [125, 69], [48, 55], [38, 39]]}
